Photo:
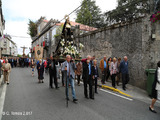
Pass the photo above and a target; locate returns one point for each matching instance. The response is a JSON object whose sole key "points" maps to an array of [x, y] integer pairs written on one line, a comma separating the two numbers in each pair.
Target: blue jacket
{"points": [[124, 67]]}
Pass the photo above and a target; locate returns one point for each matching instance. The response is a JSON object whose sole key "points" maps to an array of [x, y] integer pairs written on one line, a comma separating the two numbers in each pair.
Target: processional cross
{"points": [[24, 50]]}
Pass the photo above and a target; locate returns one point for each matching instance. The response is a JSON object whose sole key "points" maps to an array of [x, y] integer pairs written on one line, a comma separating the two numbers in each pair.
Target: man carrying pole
{"points": [[69, 67]]}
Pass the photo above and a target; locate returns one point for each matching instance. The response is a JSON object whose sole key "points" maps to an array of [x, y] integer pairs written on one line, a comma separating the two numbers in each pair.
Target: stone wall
{"points": [[131, 39]]}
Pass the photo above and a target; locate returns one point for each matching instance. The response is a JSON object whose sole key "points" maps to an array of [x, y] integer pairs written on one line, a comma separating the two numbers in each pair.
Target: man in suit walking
{"points": [[52, 73], [69, 66], [87, 78], [125, 72]]}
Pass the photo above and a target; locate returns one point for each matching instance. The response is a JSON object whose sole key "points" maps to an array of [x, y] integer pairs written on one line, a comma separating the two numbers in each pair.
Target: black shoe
{"points": [[51, 87], [75, 100], [96, 92], [57, 87], [42, 82], [124, 89], [7, 83], [115, 87], [67, 99], [92, 98], [87, 97], [152, 110]]}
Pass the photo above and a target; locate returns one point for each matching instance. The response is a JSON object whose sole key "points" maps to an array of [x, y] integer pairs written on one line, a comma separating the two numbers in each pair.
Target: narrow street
{"points": [[37, 101]]}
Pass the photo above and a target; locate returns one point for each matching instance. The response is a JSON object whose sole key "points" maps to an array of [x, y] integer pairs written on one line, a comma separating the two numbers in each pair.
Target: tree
{"points": [[128, 10], [0, 3], [90, 14], [32, 28], [59, 31], [19, 55]]}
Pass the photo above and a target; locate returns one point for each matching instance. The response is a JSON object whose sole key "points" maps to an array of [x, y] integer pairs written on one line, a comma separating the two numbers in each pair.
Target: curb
{"points": [[115, 90]]}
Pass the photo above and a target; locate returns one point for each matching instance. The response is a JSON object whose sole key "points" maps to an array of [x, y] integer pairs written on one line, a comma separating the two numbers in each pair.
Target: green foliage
{"points": [[128, 10], [32, 28], [90, 14], [0, 3], [59, 31], [19, 55]]}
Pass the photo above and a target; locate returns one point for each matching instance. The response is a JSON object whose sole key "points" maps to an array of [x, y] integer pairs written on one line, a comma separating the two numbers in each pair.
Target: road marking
{"points": [[2, 99], [117, 95]]}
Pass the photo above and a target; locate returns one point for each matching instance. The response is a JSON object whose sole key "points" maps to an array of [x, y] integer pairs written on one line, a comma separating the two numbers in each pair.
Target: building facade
{"points": [[8, 47], [47, 31]]}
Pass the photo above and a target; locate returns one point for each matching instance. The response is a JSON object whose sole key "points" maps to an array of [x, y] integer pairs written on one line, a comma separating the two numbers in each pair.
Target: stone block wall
{"points": [[130, 39]]}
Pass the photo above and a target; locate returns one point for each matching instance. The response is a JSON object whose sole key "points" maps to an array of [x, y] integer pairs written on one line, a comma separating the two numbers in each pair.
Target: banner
{"points": [[38, 52]]}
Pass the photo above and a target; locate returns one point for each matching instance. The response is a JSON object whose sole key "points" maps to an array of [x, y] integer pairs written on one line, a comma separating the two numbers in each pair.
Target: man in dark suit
{"points": [[15, 62], [52, 73], [12, 62], [87, 78], [125, 72]]}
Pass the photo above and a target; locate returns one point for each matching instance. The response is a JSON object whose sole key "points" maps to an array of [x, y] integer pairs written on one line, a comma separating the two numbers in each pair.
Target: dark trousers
{"points": [[27, 64], [91, 90], [15, 64], [108, 74], [78, 79], [90, 82], [12, 64], [95, 80], [104, 75], [125, 80], [62, 78], [85, 83], [52, 75], [113, 77]]}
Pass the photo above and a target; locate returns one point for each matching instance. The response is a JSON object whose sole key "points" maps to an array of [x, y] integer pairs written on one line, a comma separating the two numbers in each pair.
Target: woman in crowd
{"points": [[95, 74], [155, 88], [113, 71], [40, 68], [78, 72], [32, 67], [108, 69], [45, 65]]}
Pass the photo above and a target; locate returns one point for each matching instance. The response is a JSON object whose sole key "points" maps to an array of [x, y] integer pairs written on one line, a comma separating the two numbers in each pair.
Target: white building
{"points": [[8, 47]]}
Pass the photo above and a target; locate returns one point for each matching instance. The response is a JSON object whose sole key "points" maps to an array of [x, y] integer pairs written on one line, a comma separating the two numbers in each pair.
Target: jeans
{"points": [[71, 81]]}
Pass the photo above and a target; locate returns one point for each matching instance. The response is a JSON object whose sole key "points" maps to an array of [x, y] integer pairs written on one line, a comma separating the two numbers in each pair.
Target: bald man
{"points": [[125, 72], [6, 71], [103, 66], [70, 67]]}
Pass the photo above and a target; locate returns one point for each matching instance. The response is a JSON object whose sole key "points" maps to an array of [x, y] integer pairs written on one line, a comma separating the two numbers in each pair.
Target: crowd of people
{"points": [[86, 69]]}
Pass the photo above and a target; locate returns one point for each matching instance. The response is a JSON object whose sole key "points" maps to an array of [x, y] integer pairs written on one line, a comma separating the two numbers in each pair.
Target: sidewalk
{"points": [[1, 84], [133, 91]]}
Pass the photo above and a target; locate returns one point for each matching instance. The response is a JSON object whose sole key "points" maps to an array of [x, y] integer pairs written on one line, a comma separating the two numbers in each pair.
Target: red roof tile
{"points": [[45, 21], [82, 27]]}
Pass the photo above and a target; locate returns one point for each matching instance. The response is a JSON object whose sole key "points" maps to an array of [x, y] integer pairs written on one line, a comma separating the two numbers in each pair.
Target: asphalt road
{"points": [[26, 99]]}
